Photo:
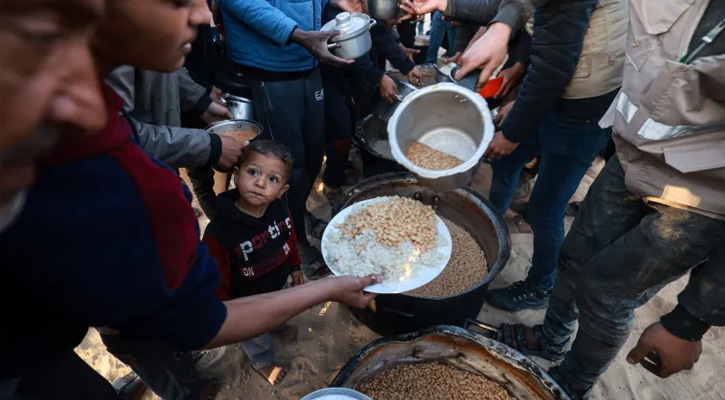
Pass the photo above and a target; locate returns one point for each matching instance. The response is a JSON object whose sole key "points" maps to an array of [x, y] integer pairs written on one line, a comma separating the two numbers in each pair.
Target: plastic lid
{"points": [[350, 25]]}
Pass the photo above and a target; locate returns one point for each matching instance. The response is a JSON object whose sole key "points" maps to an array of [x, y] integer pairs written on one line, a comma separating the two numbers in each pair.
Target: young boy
{"points": [[253, 240]]}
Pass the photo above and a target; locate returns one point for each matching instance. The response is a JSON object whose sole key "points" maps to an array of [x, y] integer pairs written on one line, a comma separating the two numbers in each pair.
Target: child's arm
{"points": [[252, 316]]}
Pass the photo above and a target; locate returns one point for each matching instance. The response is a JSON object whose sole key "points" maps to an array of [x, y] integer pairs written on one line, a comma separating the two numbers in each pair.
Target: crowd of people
{"points": [[104, 101]]}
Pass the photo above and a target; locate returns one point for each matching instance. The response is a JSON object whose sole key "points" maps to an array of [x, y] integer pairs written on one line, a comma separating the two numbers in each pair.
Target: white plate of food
{"points": [[399, 238]]}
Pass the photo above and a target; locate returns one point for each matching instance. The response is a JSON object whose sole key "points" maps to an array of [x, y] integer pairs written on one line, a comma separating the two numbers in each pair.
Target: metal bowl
{"points": [[336, 394], [223, 127], [383, 9], [448, 118], [240, 107], [469, 81]]}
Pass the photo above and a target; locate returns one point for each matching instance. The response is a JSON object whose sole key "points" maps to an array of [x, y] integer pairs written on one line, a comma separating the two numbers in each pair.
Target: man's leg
{"points": [[626, 274], [506, 174], [172, 375], [260, 351], [608, 212], [568, 147], [437, 32], [279, 107], [202, 182]]}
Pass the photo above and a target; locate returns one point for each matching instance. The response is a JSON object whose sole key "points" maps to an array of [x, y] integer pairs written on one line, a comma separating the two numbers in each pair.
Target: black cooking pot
{"points": [[392, 314], [459, 348]]}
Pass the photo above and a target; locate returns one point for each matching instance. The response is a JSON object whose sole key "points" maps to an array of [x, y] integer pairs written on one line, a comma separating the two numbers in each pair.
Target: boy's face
{"points": [[150, 34], [261, 179]]}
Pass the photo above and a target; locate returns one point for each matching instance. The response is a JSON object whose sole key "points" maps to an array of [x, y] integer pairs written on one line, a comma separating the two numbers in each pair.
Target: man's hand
{"points": [[316, 43], [499, 147], [421, 7], [216, 94], [511, 77], [231, 151], [297, 278], [415, 77], [409, 52], [454, 59], [663, 353], [216, 112], [351, 6], [388, 89], [348, 290], [503, 112], [487, 53]]}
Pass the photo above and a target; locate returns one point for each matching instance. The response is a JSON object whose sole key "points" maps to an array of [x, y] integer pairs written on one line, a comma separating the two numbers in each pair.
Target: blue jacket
{"points": [[258, 32]]}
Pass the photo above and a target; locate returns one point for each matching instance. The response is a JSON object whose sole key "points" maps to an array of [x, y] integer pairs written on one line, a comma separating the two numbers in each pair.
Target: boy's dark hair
{"points": [[268, 148]]}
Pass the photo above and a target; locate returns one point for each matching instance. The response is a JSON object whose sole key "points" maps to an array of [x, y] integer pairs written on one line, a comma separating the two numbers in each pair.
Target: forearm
{"points": [[248, 317], [177, 147]]}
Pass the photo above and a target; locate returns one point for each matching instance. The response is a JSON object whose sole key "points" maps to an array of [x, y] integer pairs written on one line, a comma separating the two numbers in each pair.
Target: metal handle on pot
{"points": [[373, 22], [333, 46], [481, 325]]}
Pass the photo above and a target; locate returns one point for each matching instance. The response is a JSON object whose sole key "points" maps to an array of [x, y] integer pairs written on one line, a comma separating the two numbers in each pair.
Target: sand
{"points": [[328, 336]]}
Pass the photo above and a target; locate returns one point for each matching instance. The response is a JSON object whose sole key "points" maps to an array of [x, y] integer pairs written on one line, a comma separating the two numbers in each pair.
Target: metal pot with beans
{"points": [[481, 248]]}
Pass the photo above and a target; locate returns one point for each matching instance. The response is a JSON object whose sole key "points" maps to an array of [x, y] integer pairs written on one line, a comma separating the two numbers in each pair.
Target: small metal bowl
{"points": [[223, 127], [469, 81], [337, 394], [448, 118]]}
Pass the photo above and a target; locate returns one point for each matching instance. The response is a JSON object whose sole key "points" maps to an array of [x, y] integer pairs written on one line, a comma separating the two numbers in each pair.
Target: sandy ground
{"points": [[328, 336]]}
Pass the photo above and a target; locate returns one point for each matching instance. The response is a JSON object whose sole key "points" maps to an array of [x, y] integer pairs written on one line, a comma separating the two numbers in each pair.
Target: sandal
{"points": [[273, 375], [514, 336]]}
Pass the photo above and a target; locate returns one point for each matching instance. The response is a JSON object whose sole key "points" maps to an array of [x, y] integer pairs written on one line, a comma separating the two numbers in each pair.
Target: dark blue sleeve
{"points": [[384, 41], [559, 29], [83, 244]]}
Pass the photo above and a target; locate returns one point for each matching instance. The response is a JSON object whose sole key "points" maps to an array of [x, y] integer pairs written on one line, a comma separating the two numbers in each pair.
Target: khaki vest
{"points": [[599, 70], [668, 124]]}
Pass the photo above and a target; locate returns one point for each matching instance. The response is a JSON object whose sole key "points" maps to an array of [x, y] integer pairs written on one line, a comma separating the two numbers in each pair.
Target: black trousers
{"points": [[339, 126], [293, 113]]}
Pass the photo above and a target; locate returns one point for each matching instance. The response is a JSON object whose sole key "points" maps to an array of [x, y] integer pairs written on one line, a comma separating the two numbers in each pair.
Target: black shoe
{"points": [[519, 296], [574, 393], [130, 386]]}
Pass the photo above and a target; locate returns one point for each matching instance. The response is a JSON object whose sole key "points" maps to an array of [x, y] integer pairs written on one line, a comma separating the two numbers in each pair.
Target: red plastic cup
{"points": [[491, 88]]}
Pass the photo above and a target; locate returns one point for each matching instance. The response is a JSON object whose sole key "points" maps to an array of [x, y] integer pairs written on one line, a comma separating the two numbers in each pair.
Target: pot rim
{"points": [[210, 128], [347, 35], [501, 350], [472, 162]]}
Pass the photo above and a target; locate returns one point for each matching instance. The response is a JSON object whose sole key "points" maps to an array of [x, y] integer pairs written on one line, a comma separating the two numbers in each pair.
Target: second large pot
{"points": [[391, 314]]}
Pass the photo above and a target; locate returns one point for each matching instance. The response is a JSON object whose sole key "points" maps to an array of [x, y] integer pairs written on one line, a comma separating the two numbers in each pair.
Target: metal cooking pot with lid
{"points": [[240, 107], [354, 41], [448, 118], [459, 348]]}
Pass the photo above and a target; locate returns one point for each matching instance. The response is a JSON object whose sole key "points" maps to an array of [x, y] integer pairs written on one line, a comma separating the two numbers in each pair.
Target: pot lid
{"points": [[350, 25]]}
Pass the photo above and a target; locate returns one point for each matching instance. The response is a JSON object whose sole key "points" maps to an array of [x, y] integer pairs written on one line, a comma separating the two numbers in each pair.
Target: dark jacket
{"points": [[107, 238], [255, 255], [559, 30]]}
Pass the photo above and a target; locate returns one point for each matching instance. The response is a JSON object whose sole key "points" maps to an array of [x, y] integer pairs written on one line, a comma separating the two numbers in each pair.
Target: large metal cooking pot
{"points": [[371, 136], [448, 118], [383, 9], [241, 108], [392, 314], [354, 41], [457, 347]]}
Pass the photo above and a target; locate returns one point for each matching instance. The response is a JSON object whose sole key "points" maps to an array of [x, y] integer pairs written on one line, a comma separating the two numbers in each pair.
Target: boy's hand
{"points": [[297, 278], [348, 290]]}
